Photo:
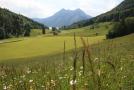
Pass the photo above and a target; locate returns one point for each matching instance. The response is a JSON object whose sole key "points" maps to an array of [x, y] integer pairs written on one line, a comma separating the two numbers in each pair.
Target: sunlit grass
{"points": [[36, 46], [112, 61], [40, 63], [99, 29]]}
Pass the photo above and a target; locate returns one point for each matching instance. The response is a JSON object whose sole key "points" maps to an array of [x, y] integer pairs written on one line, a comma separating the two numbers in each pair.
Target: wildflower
{"points": [[73, 82], [81, 67], [96, 59], [53, 82], [71, 68], [20, 81], [47, 72], [10, 86], [86, 84], [42, 86], [28, 71], [124, 76], [99, 72], [121, 68], [5, 87], [60, 78], [30, 81], [23, 76], [80, 73]]}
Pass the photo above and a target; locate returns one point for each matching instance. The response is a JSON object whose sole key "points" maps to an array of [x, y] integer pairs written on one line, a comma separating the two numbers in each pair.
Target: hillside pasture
{"points": [[97, 29]]}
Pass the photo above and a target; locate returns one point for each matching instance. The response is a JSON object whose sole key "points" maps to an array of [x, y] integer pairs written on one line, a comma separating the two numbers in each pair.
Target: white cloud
{"points": [[31, 8], [96, 7], [44, 8]]}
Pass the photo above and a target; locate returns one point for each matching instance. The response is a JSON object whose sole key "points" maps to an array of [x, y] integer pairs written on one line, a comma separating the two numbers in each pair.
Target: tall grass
{"points": [[104, 66]]}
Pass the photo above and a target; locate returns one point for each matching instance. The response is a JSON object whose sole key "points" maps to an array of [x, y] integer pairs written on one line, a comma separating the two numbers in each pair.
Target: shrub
{"points": [[130, 24], [122, 28]]}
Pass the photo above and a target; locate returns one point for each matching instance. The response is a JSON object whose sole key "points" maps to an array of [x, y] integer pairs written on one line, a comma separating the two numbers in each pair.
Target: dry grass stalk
{"points": [[75, 62], [64, 53], [83, 61], [112, 65], [88, 52]]}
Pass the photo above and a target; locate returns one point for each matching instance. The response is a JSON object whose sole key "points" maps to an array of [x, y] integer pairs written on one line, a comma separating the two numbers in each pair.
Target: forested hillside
{"points": [[15, 25], [123, 10]]}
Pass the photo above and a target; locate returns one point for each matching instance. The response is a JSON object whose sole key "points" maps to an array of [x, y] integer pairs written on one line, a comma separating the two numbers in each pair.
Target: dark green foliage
{"points": [[130, 24], [55, 31], [15, 25], [2, 33], [27, 30], [43, 30], [124, 27]]}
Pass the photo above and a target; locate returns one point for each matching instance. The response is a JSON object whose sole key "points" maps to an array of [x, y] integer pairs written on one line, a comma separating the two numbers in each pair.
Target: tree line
{"points": [[15, 25]]}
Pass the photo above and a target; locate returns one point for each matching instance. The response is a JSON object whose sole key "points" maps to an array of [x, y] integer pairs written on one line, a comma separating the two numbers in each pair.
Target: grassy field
{"points": [[112, 63], [35, 46], [45, 63], [38, 44], [89, 31], [99, 29]]}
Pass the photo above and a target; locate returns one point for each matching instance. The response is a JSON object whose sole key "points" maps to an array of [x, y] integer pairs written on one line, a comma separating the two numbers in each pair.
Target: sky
{"points": [[46, 8]]}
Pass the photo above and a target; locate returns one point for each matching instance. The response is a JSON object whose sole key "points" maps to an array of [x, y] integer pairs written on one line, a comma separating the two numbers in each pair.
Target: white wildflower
{"points": [[20, 81], [99, 72], [30, 81], [28, 71], [5, 87], [121, 68], [42, 86], [96, 59], [10, 86], [81, 67], [80, 73], [53, 82], [73, 82], [86, 84], [60, 78], [71, 68]]}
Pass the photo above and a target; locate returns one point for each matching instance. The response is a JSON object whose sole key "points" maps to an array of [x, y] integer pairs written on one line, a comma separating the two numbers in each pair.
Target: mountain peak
{"points": [[65, 17], [78, 9], [63, 9]]}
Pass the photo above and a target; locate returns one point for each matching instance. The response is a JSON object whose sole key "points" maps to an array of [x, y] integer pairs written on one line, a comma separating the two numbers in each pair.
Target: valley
{"points": [[68, 50]]}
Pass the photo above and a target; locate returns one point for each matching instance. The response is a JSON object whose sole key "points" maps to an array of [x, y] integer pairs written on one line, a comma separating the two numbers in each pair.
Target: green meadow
{"points": [[65, 62], [38, 44], [30, 47]]}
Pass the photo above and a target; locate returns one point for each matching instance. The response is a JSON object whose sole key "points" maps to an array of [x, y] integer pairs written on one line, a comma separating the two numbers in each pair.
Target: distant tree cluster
{"points": [[124, 27], [14, 25]]}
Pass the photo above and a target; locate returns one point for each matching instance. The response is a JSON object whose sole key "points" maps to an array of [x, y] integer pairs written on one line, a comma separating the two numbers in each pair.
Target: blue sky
{"points": [[46, 8]]}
